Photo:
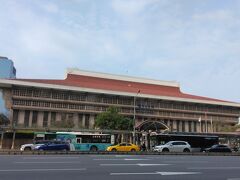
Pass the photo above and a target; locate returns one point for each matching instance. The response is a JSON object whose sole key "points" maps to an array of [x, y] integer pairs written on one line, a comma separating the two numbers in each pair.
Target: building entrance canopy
{"points": [[152, 126]]}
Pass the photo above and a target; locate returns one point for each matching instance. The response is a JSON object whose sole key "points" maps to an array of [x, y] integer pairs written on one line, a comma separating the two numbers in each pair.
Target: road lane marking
{"points": [[134, 165], [186, 161], [224, 168], [35, 170], [126, 159], [157, 173], [177, 173], [57, 157], [47, 162]]}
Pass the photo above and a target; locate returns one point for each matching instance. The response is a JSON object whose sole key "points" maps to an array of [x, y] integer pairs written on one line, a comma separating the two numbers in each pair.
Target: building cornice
{"points": [[10, 83], [75, 71]]}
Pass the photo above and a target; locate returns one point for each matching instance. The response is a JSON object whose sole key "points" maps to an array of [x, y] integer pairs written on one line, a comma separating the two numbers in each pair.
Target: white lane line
{"points": [[126, 159], [224, 168], [186, 161], [57, 157], [142, 165], [34, 170], [177, 173], [157, 173], [233, 179], [47, 162]]}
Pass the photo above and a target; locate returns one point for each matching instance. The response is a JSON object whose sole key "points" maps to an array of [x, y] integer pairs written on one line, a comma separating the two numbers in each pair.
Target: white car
{"points": [[173, 146]]}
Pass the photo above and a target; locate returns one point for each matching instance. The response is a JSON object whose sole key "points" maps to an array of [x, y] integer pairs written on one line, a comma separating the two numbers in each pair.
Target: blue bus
{"points": [[80, 141]]}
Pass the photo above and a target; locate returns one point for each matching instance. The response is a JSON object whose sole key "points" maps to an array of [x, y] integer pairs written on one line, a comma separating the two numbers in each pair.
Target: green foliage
{"points": [[111, 119], [228, 128], [4, 119]]}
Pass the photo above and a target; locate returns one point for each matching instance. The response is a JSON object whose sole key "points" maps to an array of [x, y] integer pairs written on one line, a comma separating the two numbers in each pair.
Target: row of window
{"points": [[121, 110], [145, 104]]}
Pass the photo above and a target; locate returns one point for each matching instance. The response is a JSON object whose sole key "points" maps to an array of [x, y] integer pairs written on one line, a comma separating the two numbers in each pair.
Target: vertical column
{"points": [[83, 121], [21, 118], [30, 118], [75, 120], [186, 126], [40, 119], [49, 119], [58, 117], [174, 125], [91, 121], [180, 126]]}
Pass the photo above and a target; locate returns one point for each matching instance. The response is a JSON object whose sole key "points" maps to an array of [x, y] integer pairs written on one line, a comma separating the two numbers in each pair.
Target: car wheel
{"points": [[93, 148], [27, 149], [165, 150], [133, 150], [114, 150], [186, 150]]}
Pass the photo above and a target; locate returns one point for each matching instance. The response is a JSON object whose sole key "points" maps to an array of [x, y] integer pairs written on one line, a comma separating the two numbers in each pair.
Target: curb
{"points": [[18, 152]]}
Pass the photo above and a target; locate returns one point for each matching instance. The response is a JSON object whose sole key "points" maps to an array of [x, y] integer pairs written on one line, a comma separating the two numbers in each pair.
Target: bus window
{"points": [[79, 140]]}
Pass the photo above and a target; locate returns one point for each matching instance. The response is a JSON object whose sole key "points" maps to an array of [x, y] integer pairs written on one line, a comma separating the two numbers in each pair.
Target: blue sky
{"points": [[196, 43]]}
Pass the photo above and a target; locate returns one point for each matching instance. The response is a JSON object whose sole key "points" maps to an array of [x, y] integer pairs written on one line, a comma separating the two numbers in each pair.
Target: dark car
{"points": [[53, 146], [219, 148]]}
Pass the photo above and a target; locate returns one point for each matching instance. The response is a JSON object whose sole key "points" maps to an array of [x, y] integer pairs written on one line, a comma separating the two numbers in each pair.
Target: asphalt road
{"points": [[116, 167]]}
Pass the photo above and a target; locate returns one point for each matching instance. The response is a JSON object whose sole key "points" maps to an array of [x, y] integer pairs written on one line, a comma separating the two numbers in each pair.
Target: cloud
{"points": [[131, 7], [194, 43]]}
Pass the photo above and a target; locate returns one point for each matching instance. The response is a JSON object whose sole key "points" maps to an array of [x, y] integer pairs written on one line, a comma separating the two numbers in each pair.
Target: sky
{"points": [[196, 43]]}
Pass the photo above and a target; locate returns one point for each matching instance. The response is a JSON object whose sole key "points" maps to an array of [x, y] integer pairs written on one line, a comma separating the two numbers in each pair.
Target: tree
{"points": [[4, 119], [111, 119]]}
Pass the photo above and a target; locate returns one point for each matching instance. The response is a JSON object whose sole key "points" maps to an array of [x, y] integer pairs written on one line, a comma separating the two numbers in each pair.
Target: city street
{"points": [[104, 167]]}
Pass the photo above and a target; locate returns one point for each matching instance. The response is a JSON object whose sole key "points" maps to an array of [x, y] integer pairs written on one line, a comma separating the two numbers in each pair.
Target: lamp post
{"points": [[134, 117]]}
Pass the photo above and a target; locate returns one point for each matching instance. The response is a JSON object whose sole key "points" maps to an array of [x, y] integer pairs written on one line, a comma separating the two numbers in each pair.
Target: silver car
{"points": [[173, 146]]}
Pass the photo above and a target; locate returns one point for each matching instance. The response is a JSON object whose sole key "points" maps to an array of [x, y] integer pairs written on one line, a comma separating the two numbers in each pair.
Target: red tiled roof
{"points": [[120, 85]]}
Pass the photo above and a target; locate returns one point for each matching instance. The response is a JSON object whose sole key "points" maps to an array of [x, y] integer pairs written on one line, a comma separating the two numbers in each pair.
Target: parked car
{"points": [[124, 147], [173, 146], [218, 148], [30, 147], [53, 146]]}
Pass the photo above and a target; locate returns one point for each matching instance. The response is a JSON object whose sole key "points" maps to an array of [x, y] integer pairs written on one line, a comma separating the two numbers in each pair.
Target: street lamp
{"points": [[134, 117]]}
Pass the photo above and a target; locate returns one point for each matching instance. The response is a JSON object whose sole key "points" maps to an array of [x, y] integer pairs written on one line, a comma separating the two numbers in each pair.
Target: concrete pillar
{"points": [[180, 126], [75, 120], [83, 121], [49, 119], [174, 125], [20, 118], [30, 119], [40, 119], [91, 121], [58, 117], [186, 126]]}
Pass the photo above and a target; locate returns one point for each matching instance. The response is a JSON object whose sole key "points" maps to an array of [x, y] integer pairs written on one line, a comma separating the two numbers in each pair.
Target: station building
{"points": [[74, 102]]}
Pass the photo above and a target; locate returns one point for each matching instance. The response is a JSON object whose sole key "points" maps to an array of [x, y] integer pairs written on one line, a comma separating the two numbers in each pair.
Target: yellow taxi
{"points": [[124, 147]]}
